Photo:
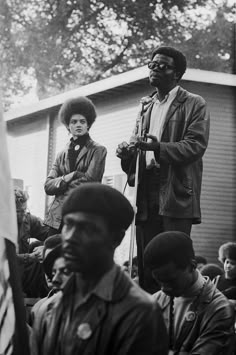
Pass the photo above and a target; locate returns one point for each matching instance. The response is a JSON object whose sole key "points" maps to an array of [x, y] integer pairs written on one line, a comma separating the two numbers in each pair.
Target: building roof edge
{"points": [[113, 82]]}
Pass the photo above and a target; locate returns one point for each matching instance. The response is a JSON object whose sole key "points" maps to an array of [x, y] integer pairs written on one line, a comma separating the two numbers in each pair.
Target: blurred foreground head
{"points": [[95, 218]]}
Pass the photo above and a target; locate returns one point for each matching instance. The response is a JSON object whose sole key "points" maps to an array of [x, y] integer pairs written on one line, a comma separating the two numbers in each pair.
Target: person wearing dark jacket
{"points": [[100, 311], [199, 318], [171, 134], [81, 161], [29, 254]]}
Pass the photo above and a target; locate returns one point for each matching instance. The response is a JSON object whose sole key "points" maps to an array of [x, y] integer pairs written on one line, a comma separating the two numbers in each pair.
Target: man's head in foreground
{"points": [[170, 256], [95, 219]]}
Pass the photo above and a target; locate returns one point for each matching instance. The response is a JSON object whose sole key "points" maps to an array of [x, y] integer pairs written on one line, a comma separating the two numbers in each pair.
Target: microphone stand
{"points": [[133, 226]]}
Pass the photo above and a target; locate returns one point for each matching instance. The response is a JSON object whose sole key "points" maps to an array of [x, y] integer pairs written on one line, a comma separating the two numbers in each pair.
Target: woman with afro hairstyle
{"points": [[226, 283], [81, 161]]}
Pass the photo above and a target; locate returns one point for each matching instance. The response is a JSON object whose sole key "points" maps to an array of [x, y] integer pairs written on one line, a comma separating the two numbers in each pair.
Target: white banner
{"points": [[8, 224]]}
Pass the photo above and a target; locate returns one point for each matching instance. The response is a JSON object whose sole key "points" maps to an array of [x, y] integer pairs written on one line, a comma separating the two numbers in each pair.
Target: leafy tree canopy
{"points": [[63, 44]]}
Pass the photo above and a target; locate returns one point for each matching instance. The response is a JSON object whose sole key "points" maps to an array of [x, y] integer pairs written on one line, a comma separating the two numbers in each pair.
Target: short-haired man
{"points": [[198, 317], [101, 311], [172, 139]]}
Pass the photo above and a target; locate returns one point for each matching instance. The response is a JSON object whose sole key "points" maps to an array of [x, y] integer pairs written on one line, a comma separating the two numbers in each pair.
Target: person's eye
{"points": [[66, 272], [67, 225]]}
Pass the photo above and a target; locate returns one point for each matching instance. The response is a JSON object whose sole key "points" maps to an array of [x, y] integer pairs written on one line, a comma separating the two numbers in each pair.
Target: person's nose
{"points": [[56, 280], [78, 124], [69, 233]]}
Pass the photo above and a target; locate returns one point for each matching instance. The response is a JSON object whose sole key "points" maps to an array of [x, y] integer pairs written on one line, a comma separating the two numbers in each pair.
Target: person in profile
{"points": [[171, 136], [100, 310]]}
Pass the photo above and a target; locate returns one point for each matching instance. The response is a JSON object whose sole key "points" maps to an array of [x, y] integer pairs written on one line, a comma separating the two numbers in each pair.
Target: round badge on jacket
{"points": [[84, 331], [190, 316]]}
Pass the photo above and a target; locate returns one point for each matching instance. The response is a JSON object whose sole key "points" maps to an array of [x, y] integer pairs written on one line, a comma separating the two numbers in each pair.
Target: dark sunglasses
{"points": [[161, 66]]}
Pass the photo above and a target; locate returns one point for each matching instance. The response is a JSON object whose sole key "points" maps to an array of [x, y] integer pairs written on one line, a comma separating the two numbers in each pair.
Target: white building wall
{"points": [[28, 149]]}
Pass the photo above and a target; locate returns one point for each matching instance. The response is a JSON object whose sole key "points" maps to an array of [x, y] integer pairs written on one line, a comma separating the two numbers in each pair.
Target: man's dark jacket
{"points": [[211, 330], [131, 323], [183, 143]]}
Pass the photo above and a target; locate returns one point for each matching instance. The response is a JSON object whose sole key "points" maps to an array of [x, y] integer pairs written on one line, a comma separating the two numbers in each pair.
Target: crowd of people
{"points": [[173, 301]]}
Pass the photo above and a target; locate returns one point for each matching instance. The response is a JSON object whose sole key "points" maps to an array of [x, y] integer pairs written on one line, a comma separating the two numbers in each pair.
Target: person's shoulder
{"points": [[190, 96], [161, 299], [63, 151], [140, 300], [43, 308], [97, 145], [216, 298]]}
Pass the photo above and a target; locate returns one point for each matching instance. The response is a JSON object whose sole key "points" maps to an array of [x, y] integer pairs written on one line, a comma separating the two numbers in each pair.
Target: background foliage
{"points": [[56, 45]]}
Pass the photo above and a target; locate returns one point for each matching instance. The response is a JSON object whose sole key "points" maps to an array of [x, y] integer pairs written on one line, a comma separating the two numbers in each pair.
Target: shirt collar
{"points": [[169, 96], [104, 288], [196, 287]]}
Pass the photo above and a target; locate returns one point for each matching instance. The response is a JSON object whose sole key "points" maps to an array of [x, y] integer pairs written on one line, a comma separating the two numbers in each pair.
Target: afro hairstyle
{"points": [[80, 105]]}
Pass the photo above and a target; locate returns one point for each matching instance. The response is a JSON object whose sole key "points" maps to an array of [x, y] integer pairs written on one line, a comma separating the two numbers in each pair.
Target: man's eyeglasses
{"points": [[161, 66]]}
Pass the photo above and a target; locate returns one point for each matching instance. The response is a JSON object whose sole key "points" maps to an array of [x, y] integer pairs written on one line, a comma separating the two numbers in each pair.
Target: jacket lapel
{"points": [[146, 119], [83, 151], [66, 162], [98, 311], [88, 325], [192, 315]]}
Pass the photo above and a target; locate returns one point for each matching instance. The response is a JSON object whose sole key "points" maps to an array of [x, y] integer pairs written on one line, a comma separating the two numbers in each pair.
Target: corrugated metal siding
{"points": [[218, 198], [28, 143]]}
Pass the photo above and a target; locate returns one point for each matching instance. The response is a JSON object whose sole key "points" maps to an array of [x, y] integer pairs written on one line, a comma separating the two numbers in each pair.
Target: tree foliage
{"points": [[62, 44]]}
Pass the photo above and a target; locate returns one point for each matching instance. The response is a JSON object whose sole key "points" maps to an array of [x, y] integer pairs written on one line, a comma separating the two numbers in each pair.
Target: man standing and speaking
{"points": [[171, 134]]}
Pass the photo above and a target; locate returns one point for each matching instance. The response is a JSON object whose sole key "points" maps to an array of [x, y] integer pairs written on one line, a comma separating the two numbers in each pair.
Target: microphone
{"points": [[145, 100]]}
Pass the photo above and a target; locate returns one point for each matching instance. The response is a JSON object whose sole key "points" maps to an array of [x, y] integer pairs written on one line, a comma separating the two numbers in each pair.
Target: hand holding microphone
{"points": [[123, 150], [152, 145]]}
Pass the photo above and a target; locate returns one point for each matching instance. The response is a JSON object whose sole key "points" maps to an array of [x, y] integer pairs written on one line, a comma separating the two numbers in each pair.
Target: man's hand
{"points": [[152, 146], [123, 150], [38, 252]]}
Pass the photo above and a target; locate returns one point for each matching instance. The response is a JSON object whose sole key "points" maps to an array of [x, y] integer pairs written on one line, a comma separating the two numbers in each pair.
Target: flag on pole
{"points": [[13, 330], [7, 312]]}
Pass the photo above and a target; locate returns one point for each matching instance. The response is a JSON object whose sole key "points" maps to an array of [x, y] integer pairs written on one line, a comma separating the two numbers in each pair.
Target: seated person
{"points": [[134, 272], [201, 261], [57, 273], [226, 283], [50, 244], [211, 270], [198, 317], [29, 226]]}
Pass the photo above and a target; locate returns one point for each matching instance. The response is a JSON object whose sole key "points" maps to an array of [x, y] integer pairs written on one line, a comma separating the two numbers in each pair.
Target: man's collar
{"points": [[196, 287], [169, 96], [104, 288]]}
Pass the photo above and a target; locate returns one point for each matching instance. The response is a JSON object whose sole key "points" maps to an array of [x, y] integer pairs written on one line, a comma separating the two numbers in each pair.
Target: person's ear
{"points": [[193, 264], [177, 76]]}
